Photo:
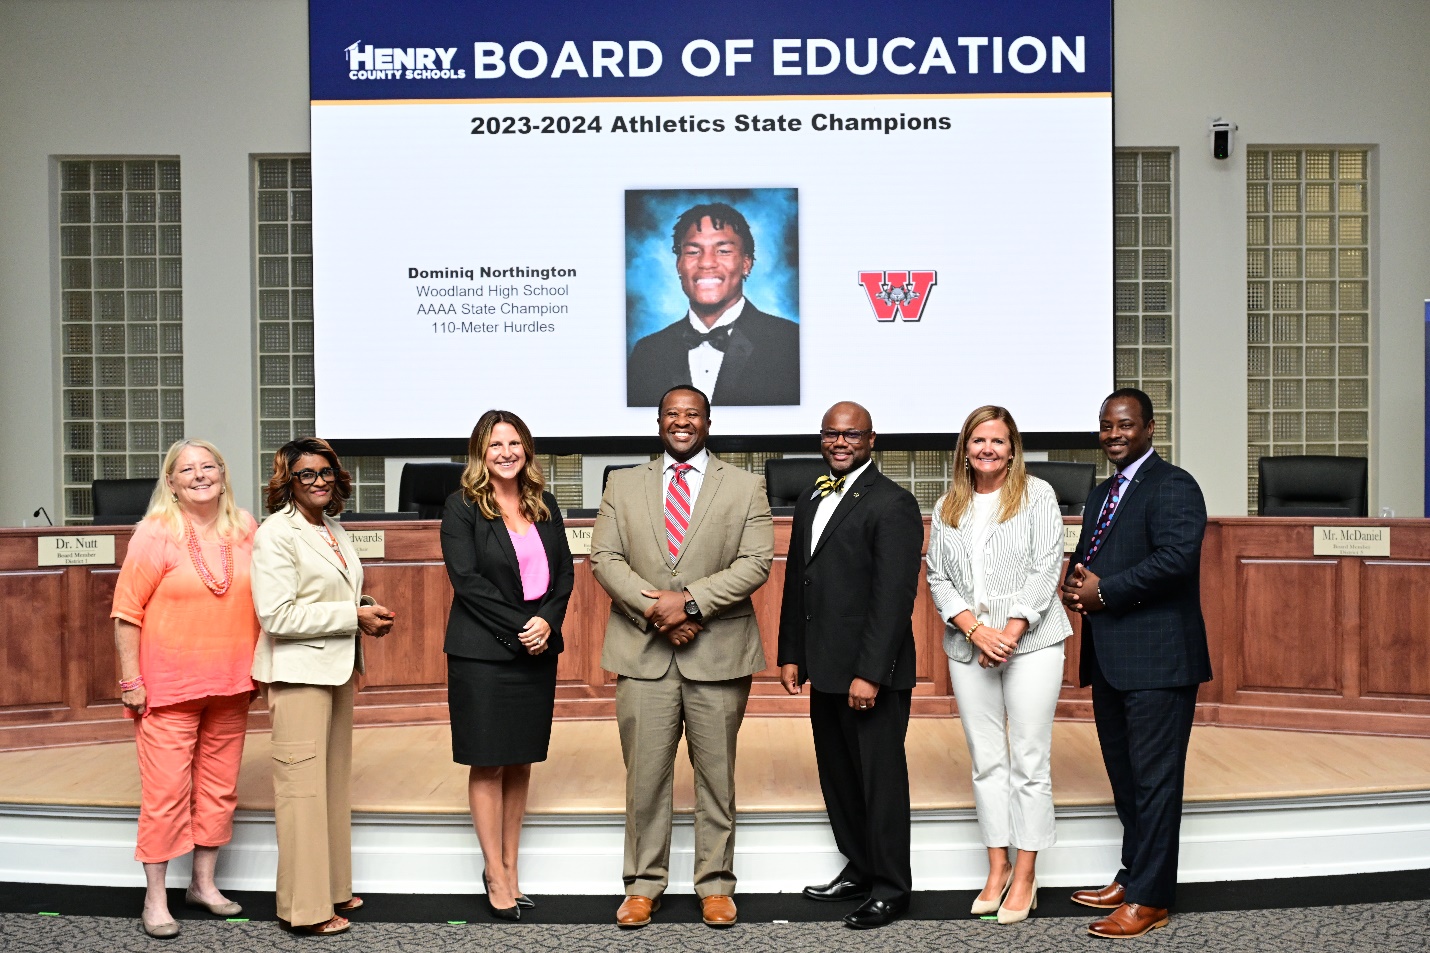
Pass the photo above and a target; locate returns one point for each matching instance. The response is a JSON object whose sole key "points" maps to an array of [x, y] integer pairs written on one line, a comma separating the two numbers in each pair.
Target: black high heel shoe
{"points": [[525, 902], [511, 914]]}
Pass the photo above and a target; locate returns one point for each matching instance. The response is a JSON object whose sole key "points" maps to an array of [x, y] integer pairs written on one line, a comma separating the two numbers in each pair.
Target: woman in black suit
{"points": [[506, 553]]}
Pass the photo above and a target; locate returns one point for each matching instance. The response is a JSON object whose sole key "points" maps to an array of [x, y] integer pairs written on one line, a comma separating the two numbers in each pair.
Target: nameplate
{"points": [[1072, 532], [1351, 540], [76, 550], [579, 539], [369, 543]]}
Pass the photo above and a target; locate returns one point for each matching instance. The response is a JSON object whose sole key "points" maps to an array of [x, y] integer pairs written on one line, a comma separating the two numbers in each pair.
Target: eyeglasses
{"points": [[309, 477], [850, 436]]}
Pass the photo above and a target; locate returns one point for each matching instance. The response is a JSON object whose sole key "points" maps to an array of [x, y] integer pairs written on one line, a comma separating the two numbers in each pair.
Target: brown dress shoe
{"points": [[1129, 920], [718, 911], [1108, 898], [635, 911]]}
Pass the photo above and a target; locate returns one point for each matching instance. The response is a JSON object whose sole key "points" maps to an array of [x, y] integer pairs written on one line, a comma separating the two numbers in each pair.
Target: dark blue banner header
{"points": [[447, 49]]}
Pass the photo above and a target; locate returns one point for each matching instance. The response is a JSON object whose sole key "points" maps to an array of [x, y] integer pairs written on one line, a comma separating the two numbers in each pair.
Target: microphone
{"points": [[47, 515]]}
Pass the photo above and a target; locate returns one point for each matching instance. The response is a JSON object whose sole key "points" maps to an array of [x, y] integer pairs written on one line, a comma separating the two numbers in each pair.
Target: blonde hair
{"points": [[164, 505], [477, 479], [960, 491]]}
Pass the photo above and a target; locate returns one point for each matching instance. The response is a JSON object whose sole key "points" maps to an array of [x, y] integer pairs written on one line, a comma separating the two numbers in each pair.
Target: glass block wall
{"points": [[1307, 303], [121, 321], [283, 273], [1144, 292], [924, 473], [563, 477]]}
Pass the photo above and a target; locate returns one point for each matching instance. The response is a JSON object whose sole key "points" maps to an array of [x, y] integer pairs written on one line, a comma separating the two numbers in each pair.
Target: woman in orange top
{"points": [[185, 629]]}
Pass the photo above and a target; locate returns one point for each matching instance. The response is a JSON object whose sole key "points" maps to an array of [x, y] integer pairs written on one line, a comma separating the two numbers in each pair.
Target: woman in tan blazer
{"points": [[307, 590]]}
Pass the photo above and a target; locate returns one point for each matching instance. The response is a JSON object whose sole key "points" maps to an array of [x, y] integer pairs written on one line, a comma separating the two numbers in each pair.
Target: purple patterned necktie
{"points": [[1104, 519]]}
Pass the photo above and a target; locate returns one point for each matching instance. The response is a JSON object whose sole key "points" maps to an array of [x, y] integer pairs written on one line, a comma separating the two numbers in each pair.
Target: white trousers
{"points": [[1007, 715]]}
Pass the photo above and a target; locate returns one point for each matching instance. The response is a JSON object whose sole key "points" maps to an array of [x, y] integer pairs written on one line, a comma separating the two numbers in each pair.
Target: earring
{"points": [[174, 497]]}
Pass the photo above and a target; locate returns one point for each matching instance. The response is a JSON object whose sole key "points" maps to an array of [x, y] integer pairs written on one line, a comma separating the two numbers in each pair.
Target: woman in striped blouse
{"points": [[994, 557]]}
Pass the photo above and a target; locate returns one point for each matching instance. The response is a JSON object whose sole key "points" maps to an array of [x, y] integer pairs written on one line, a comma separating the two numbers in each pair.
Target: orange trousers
{"points": [[189, 756]]}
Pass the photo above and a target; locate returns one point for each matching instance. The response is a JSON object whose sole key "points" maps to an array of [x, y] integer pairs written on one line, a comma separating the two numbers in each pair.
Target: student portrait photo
{"points": [[712, 295]]}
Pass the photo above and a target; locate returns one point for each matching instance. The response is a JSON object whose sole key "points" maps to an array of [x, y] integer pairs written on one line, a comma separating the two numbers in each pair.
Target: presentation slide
{"points": [[563, 209]]}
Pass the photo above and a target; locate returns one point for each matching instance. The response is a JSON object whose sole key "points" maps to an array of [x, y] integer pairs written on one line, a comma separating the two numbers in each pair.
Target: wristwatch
{"points": [[692, 609]]}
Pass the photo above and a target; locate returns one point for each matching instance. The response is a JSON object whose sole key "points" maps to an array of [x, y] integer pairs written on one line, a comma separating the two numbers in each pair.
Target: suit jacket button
{"points": [[808, 618], [806, 582], [673, 573]]}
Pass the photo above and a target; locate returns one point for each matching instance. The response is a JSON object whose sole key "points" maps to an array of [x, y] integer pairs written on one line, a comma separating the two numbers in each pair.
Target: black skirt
{"points": [[501, 711]]}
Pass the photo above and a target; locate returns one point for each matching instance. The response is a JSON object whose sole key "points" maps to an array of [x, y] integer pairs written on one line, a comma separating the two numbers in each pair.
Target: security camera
{"points": [[1222, 130]]}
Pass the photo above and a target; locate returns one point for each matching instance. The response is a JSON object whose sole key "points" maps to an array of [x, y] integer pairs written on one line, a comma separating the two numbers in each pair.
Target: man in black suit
{"points": [[846, 625], [724, 345], [1135, 577]]}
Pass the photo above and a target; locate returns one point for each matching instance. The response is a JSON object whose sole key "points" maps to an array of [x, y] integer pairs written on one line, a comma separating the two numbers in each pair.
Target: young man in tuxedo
{"points": [[737, 353], [846, 626], [1135, 577], [680, 545]]}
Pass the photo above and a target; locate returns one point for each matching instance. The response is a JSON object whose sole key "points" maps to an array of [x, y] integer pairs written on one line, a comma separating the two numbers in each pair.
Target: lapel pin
{"points": [[856, 494]]}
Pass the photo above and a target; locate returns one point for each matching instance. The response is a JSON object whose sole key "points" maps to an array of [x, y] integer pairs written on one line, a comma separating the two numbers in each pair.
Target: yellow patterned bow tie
{"points": [[827, 485]]}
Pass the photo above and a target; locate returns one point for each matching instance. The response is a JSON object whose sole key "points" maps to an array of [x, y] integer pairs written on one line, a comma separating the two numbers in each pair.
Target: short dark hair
{"points": [[1132, 393], [279, 492], [685, 387], [720, 215]]}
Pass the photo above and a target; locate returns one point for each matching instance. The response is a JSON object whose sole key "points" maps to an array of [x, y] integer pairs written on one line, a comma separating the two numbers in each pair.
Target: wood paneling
{"points": [[31, 622], [95, 634], [1395, 643], [1294, 604], [411, 656], [1298, 642]]}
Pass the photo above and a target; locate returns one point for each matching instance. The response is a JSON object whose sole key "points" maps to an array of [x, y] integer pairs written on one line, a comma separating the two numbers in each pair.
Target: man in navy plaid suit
{"points": [[1135, 577]]}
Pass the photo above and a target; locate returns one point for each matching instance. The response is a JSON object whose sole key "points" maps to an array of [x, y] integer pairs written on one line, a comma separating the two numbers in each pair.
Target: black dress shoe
{"points": [[836, 889], [876, 913]]}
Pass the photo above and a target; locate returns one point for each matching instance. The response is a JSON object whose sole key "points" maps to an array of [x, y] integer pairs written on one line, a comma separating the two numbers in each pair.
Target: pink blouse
{"points": [[192, 644], [531, 560]]}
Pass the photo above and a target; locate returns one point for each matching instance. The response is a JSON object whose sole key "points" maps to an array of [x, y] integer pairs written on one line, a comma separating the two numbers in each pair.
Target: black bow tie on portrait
{"points": [[719, 338]]}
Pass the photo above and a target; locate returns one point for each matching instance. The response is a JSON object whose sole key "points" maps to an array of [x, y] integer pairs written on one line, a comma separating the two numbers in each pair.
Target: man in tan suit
{"points": [[680, 544]]}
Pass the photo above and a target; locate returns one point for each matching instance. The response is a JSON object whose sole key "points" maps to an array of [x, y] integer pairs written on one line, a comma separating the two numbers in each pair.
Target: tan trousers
{"points": [[312, 787], [651, 714]]}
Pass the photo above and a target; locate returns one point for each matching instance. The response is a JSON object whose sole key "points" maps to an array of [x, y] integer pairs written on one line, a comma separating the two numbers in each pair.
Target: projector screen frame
{"points": [[1036, 441]]}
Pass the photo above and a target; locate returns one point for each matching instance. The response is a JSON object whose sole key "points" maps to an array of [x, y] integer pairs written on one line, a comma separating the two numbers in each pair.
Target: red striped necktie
{"points": [[677, 509], [1104, 519]]}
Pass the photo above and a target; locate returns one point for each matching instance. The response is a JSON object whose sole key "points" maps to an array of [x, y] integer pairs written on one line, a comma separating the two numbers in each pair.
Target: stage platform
{"points": [[1259, 804]]}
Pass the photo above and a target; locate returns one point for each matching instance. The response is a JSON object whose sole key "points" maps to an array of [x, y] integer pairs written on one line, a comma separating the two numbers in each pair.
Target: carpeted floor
{"points": [[1402, 927], [1054, 902]]}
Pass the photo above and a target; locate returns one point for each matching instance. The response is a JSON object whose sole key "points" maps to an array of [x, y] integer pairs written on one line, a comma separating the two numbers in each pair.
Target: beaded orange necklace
{"points": [[216, 586]]}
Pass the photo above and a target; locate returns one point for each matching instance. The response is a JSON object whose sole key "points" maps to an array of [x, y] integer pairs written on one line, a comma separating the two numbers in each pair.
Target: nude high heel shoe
{"points": [[1006, 916], [981, 908]]}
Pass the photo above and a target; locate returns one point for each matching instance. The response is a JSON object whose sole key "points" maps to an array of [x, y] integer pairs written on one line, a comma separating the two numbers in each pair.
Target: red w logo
{"points": [[898, 292]]}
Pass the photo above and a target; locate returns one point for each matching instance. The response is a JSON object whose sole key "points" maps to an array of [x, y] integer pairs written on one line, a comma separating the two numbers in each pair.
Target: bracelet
{"points": [[1099, 594], [136, 682], [972, 629]]}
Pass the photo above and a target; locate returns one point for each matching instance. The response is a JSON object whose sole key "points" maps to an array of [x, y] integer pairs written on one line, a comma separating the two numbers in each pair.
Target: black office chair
{"points": [[606, 474], [120, 502], [425, 487], [1072, 482], [1313, 486], [786, 478]]}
